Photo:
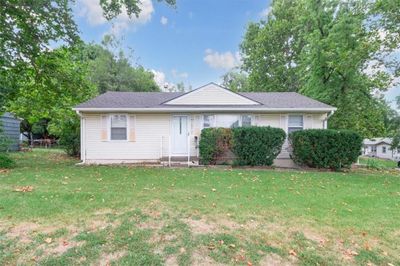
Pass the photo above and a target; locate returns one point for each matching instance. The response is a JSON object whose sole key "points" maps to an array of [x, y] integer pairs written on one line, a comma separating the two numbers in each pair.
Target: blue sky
{"points": [[196, 42]]}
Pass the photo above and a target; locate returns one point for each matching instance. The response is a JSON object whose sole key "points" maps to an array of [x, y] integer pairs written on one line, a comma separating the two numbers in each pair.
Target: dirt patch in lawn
{"points": [[275, 260], [24, 231], [200, 258], [107, 259], [200, 226]]}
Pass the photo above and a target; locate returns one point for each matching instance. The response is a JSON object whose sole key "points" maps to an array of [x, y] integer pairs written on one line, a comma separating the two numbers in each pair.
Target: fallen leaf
{"points": [[48, 240], [214, 189], [292, 252], [249, 263], [232, 246], [24, 189]]}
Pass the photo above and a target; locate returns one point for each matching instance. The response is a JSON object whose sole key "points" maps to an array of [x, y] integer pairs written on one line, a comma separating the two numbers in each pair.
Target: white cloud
{"points": [[225, 60], [266, 12], [177, 74], [164, 20], [92, 11], [161, 80]]}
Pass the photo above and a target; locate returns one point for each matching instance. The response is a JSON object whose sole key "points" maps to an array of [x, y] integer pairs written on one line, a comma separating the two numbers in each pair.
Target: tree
{"points": [[236, 81], [271, 49], [330, 50], [27, 28], [110, 72], [61, 84]]}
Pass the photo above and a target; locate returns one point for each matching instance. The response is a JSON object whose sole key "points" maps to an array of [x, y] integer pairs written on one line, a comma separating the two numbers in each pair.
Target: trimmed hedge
{"points": [[257, 145], [325, 148], [213, 143]]}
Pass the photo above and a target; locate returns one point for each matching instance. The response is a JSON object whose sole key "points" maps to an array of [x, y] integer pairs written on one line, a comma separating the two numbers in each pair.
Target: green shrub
{"points": [[6, 161], [213, 143], [69, 136], [257, 145], [325, 148]]}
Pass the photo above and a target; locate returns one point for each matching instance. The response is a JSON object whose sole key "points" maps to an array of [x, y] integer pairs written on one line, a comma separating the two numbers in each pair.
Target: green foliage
{"points": [[69, 136], [114, 72], [6, 161], [332, 51], [272, 49], [235, 81], [325, 148], [257, 145], [62, 85], [213, 143]]}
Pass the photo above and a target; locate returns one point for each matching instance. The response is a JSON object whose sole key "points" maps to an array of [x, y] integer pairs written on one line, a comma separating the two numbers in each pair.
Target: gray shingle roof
{"points": [[156, 100]]}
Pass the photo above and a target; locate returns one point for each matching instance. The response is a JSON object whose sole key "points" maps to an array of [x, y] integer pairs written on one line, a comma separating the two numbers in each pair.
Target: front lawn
{"points": [[53, 212], [377, 163]]}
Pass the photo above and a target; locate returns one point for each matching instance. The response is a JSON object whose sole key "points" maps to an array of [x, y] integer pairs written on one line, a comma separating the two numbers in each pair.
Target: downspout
{"points": [[83, 152], [325, 121]]}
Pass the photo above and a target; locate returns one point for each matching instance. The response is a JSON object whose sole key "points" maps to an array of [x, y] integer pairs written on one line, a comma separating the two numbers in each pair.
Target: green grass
{"points": [[377, 163], [137, 215]]}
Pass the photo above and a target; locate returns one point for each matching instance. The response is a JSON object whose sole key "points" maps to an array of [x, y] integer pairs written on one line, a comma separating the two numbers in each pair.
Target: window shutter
{"points": [[197, 126], [104, 128], [132, 128]]}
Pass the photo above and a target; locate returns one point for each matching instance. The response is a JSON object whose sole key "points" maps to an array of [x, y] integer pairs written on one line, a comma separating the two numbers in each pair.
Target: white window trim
{"points": [[294, 114], [127, 128]]}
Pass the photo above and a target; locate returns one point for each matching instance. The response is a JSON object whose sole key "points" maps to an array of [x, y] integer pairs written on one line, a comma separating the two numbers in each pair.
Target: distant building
{"points": [[11, 128], [380, 148]]}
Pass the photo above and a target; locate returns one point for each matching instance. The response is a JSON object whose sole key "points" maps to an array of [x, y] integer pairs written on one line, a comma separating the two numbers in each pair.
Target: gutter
{"points": [[83, 151], [204, 109], [325, 121]]}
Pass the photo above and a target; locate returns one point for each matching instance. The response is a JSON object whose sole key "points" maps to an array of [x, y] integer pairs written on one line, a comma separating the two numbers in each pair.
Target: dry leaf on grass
{"points": [[292, 252], [48, 240], [24, 189]]}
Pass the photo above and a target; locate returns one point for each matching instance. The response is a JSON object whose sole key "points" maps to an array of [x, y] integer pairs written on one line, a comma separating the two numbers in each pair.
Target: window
{"points": [[384, 149], [295, 123], [398, 150], [227, 121], [246, 120], [208, 121], [118, 127], [373, 148]]}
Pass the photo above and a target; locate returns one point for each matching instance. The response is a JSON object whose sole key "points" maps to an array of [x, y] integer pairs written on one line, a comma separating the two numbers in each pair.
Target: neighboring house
{"points": [[11, 128], [136, 127], [380, 148]]}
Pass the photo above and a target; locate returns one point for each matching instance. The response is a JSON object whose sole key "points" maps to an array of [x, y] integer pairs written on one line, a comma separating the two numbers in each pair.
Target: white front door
{"points": [[180, 135]]}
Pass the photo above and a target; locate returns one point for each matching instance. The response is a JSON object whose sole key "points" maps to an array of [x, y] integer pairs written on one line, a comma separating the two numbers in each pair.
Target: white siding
{"points": [[209, 95], [150, 128], [281, 121], [379, 151], [272, 120], [153, 136]]}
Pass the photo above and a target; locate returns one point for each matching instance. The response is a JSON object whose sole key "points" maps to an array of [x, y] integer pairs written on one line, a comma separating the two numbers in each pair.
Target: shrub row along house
{"points": [[138, 127]]}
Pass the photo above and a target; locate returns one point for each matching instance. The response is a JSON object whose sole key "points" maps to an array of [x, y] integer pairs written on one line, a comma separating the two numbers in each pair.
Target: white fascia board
{"points": [[203, 109]]}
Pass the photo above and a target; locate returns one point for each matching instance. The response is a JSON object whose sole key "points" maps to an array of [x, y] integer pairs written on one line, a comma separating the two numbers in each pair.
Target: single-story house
{"points": [[11, 127], [380, 148], [154, 127]]}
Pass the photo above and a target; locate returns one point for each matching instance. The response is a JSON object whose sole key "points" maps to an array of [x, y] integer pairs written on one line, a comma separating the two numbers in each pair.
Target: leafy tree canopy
{"points": [[235, 80], [61, 84], [335, 51], [114, 72], [28, 27]]}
